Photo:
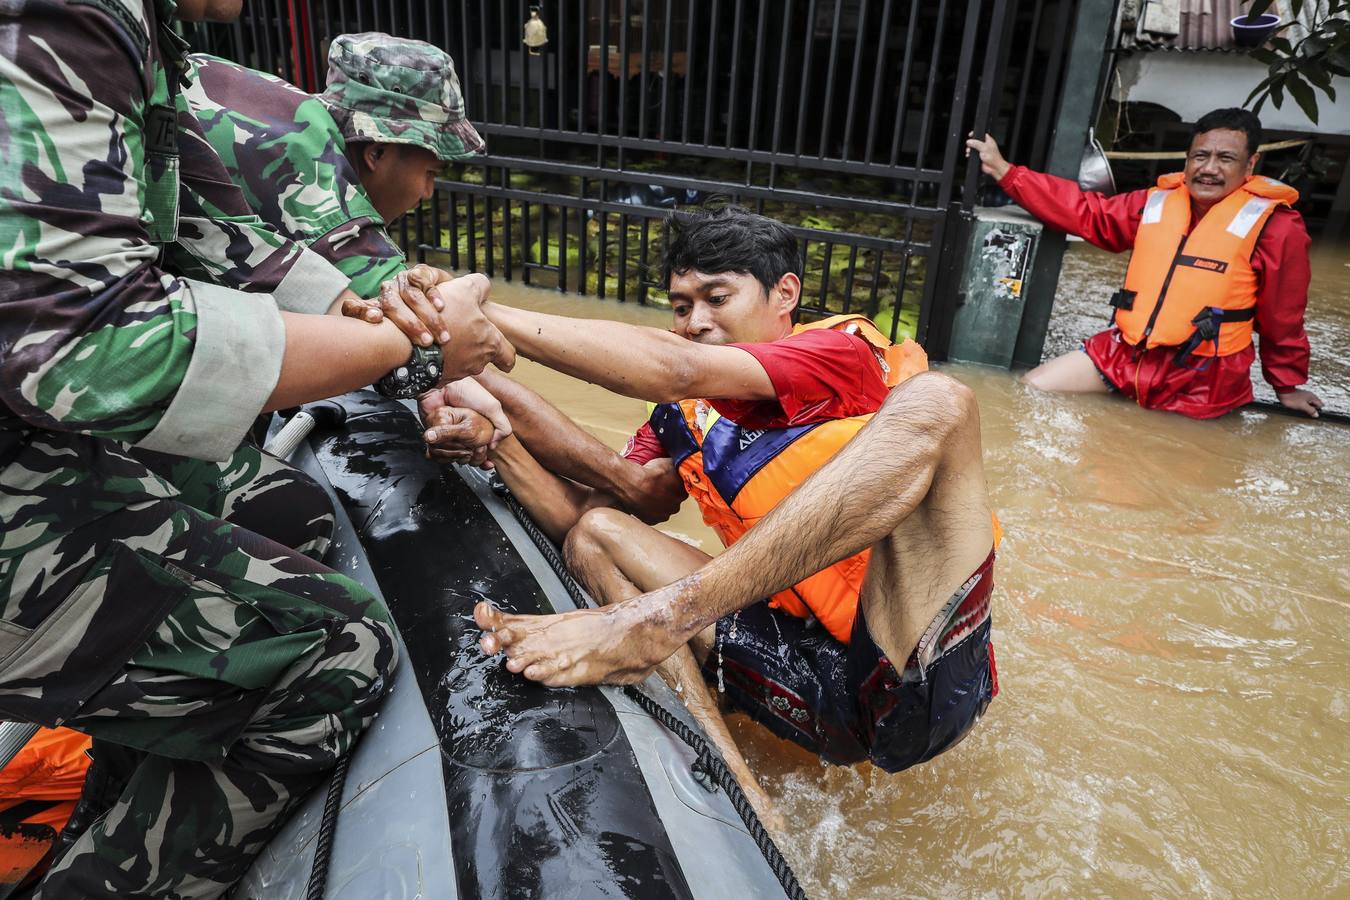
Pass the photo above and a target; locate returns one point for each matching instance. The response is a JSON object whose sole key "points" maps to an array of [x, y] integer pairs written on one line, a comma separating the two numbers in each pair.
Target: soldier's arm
{"points": [[223, 239], [97, 339]]}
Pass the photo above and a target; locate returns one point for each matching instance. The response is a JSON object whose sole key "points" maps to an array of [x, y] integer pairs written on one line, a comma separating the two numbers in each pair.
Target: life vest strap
{"points": [[1123, 299], [1207, 323]]}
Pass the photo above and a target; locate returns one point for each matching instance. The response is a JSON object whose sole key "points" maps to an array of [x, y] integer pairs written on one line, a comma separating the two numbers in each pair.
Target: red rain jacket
{"points": [[1280, 260]]}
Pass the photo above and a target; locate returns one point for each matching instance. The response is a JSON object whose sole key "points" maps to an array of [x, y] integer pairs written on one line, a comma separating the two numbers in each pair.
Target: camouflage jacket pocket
{"points": [[12, 637], [81, 644]]}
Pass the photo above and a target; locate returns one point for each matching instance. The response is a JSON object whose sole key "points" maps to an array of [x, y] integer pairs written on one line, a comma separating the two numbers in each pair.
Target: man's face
{"points": [[730, 308], [209, 10], [1217, 164], [397, 177]]}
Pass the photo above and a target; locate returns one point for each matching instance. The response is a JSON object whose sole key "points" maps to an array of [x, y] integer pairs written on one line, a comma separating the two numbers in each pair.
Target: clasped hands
{"points": [[463, 420]]}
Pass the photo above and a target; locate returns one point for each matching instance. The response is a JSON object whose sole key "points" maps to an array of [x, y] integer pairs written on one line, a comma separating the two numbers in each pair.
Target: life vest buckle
{"points": [[1206, 324], [1123, 300]]}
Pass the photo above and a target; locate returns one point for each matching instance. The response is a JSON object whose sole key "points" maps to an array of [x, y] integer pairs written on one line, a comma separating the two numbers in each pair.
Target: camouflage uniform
{"points": [[287, 150], [136, 604]]}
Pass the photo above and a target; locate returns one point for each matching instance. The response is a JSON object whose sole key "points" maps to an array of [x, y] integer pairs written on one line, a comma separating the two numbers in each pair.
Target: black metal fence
{"points": [[843, 118]]}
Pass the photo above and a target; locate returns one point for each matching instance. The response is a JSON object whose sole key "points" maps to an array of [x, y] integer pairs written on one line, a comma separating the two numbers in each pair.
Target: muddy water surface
{"points": [[1170, 628]]}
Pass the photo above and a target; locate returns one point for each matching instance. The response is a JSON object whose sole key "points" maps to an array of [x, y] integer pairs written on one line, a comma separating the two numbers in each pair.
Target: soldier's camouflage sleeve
{"points": [[284, 150], [94, 337], [221, 238]]}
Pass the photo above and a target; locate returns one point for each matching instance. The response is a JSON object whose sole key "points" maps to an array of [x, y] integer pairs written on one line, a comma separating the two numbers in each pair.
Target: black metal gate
{"points": [[843, 118]]}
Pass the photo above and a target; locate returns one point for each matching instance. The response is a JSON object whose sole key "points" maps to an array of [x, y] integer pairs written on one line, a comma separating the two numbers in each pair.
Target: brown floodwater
{"points": [[1174, 717]]}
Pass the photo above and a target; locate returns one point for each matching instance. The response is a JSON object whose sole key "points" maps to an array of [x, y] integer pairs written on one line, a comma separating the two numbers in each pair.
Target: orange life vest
{"points": [[38, 792], [1196, 289], [737, 475]]}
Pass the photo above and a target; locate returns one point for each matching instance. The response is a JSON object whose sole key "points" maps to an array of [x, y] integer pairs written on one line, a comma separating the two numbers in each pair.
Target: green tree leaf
{"points": [[1303, 95]]}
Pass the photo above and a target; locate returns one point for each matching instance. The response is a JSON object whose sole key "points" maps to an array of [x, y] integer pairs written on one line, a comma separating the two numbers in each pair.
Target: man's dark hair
{"points": [[729, 239], [1233, 119]]}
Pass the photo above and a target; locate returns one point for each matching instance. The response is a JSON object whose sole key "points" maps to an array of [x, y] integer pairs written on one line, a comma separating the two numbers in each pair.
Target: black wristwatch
{"points": [[419, 374]]}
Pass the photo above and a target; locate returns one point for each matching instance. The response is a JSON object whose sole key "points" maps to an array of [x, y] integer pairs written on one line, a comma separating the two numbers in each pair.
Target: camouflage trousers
{"points": [[166, 605]]}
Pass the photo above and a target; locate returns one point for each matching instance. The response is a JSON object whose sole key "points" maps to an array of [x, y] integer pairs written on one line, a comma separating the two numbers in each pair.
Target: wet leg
{"points": [[1071, 373], [617, 558], [918, 458]]}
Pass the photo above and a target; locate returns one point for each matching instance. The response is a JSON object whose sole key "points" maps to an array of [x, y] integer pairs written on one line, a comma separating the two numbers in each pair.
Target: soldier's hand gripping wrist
{"points": [[475, 341], [408, 301]]}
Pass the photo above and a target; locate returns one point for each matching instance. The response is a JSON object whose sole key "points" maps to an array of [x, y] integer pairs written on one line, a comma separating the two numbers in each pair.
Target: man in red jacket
{"points": [[1218, 253]]}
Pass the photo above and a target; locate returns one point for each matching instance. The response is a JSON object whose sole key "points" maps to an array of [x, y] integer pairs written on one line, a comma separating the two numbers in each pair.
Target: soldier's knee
{"points": [[366, 657], [290, 508]]}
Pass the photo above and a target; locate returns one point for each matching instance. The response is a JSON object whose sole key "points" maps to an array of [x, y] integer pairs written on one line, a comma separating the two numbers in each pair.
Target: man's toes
{"points": [[487, 616]]}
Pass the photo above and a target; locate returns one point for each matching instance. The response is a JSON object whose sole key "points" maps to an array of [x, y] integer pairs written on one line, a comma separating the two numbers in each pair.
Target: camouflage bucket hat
{"points": [[399, 91]]}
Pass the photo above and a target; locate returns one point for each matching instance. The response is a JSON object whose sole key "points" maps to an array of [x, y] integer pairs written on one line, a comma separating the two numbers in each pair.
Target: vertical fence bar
{"points": [[559, 55], [752, 133], [644, 267], [526, 72], [602, 261], [419, 229], [828, 112], [483, 54], [926, 119], [1050, 90], [825, 275], [937, 330], [437, 198], [906, 69], [784, 33], [645, 63], [736, 71], [623, 258], [848, 277], [506, 227], [471, 218], [583, 61], [562, 253], [489, 237], [452, 233], [604, 68], [710, 93], [806, 74], [902, 286], [502, 69], [1019, 114], [998, 40], [870, 310], [663, 130], [623, 74], [874, 110], [853, 81], [688, 72], [583, 238]]}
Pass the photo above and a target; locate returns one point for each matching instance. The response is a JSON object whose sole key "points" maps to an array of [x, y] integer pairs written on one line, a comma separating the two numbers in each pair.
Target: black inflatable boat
{"points": [[473, 782]]}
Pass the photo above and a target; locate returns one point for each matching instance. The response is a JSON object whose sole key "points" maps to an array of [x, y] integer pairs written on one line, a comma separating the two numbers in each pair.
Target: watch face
{"points": [[420, 373]]}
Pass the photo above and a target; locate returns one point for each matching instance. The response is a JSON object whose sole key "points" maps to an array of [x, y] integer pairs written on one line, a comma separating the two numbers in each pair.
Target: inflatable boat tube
{"points": [[473, 782]]}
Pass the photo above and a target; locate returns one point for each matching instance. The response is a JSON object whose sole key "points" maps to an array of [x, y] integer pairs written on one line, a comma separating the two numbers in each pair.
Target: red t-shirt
{"points": [[818, 375]]}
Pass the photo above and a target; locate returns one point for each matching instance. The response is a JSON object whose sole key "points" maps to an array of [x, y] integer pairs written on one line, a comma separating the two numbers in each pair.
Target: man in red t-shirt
{"points": [[896, 669], [1190, 379]]}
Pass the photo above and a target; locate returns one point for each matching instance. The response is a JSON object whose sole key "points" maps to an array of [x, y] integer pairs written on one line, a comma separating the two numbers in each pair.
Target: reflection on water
{"points": [[1169, 627]]}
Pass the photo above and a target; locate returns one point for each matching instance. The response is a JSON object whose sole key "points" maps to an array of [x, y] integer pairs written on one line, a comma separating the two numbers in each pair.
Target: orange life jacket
{"points": [[737, 475], [1196, 289], [38, 792]]}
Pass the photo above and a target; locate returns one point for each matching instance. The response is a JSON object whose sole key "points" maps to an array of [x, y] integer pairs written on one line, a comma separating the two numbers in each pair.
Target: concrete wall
{"points": [[1191, 84]]}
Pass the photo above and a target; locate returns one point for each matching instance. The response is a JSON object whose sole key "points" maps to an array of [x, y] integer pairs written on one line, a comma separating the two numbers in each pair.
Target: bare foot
{"points": [[613, 645]]}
